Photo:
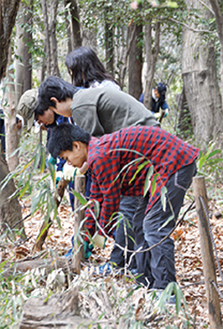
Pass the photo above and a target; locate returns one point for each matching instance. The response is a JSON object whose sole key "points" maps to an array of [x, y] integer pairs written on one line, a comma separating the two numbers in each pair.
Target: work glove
{"points": [[69, 171], [99, 240], [157, 115], [87, 249], [59, 175]]}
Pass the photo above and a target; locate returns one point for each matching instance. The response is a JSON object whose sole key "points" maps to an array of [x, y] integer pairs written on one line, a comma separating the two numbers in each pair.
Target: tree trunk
{"points": [[109, 46], [10, 209], [47, 37], [135, 63], [75, 23], [53, 39], [8, 12], [200, 82], [68, 27], [151, 58], [11, 134], [27, 59], [19, 51], [219, 21]]}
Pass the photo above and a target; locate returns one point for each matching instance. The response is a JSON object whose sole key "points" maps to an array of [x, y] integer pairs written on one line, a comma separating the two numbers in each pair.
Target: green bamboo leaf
{"points": [[166, 222], [43, 160], [147, 180], [153, 188], [140, 167], [80, 197], [25, 188]]}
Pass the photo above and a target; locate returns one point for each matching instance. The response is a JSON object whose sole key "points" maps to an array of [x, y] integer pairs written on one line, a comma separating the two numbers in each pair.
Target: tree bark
{"points": [[219, 21], [151, 58], [75, 23], [47, 37], [27, 59], [109, 46], [11, 134], [19, 51], [135, 63], [200, 82], [53, 39], [10, 209], [8, 12]]}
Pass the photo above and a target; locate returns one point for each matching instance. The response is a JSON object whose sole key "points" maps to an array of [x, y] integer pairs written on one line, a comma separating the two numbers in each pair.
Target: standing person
{"points": [[159, 105], [99, 111], [86, 69], [173, 166]]}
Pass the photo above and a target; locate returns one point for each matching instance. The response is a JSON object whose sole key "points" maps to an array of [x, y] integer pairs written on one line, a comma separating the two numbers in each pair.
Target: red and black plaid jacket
{"points": [[114, 161]]}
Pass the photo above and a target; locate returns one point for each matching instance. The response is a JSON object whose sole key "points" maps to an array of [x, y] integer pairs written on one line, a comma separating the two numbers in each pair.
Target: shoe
{"points": [[157, 296], [105, 269]]}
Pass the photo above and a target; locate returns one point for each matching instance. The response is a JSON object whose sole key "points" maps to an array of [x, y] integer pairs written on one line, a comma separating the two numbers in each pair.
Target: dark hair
{"points": [[86, 67], [54, 87], [63, 136]]}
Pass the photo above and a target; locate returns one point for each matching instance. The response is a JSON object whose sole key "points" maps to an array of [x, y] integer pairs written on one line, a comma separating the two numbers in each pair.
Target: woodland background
{"points": [[141, 43]]}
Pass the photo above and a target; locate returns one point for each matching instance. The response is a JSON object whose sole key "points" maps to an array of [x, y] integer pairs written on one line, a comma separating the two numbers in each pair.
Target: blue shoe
{"points": [[105, 269], [156, 295]]}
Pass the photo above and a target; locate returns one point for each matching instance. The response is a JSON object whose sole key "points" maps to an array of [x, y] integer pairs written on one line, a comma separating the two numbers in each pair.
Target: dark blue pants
{"points": [[124, 234], [158, 265]]}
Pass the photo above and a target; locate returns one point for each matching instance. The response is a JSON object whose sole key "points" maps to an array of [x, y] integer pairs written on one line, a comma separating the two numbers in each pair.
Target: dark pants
{"points": [[158, 265], [124, 234]]}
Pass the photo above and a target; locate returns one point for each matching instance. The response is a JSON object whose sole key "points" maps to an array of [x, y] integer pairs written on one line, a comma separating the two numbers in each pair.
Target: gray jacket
{"points": [[105, 110]]}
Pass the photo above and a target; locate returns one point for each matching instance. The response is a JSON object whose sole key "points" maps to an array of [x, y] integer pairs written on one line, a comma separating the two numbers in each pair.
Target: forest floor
{"points": [[188, 259]]}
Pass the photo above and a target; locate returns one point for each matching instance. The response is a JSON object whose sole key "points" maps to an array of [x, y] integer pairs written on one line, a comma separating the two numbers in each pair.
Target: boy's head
{"points": [[54, 87], [160, 90], [70, 143], [46, 117]]}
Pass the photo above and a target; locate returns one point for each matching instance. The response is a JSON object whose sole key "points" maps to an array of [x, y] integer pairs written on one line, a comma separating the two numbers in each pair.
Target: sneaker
{"points": [[105, 269], [157, 296]]}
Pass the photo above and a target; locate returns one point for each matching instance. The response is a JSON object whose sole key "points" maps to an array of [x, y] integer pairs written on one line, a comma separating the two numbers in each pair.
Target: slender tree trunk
{"points": [[11, 135], [135, 63], [109, 46], [75, 23], [53, 39], [68, 27], [27, 60], [200, 82], [10, 209], [47, 37], [151, 59], [8, 12], [219, 21], [19, 49]]}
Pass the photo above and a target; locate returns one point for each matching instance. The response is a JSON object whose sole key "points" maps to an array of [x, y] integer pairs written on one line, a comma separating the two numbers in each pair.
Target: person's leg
{"points": [[142, 258], [124, 235], [162, 263]]}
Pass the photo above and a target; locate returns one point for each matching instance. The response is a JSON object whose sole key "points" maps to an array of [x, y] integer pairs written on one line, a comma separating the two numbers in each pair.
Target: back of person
{"points": [[105, 110]]}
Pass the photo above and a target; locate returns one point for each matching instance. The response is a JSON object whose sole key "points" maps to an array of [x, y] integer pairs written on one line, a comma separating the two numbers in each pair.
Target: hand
{"points": [[99, 240], [69, 171], [87, 249], [59, 175]]}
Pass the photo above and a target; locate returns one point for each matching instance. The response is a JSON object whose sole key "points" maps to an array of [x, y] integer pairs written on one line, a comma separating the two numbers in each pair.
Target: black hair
{"points": [[63, 136], [86, 67], [53, 87]]}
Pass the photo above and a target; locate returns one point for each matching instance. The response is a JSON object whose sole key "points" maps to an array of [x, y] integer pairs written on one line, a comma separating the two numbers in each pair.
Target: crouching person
{"points": [[114, 161]]}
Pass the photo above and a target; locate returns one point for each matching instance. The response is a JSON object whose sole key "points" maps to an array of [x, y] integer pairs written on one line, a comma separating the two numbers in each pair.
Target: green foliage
{"points": [[210, 163]]}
